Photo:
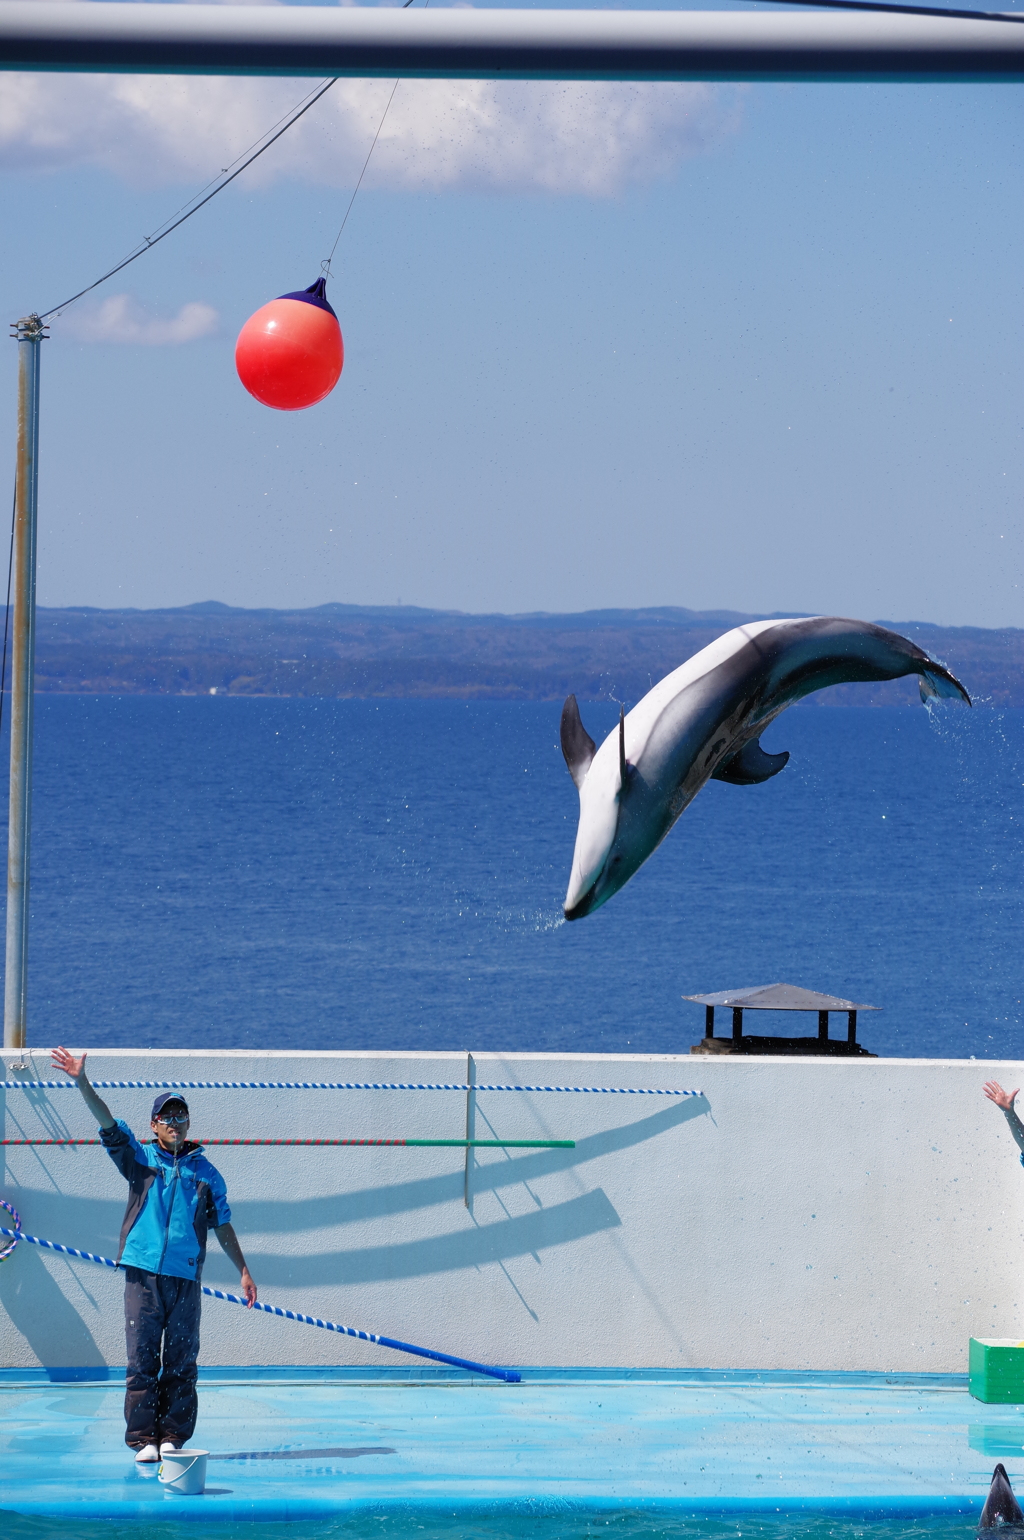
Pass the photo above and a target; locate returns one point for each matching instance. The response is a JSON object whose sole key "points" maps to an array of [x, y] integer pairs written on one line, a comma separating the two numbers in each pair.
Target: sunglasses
{"points": [[179, 1118]]}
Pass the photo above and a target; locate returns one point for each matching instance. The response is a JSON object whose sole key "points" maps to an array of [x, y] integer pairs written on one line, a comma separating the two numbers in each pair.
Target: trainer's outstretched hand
{"points": [[61, 1059], [248, 1287], [995, 1093]]}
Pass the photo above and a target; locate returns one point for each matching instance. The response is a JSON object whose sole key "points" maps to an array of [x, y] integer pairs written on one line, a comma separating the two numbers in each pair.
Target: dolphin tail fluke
{"points": [[1001, 1509], [750, 766], [937, 683], [578, 746]]}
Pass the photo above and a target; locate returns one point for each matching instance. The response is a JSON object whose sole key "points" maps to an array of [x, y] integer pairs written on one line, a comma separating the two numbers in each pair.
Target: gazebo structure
{"points": [[779, 997]]}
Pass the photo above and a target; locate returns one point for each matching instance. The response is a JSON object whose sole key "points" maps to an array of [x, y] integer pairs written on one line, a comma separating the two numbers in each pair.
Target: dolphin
{"points": [[1001, 1508], [702, 722]]}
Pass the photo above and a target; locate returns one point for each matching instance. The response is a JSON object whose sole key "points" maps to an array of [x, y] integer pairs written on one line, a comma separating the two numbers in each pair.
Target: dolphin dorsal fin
{"points": [[578, 746], [1001, 1507], [750, 766]]}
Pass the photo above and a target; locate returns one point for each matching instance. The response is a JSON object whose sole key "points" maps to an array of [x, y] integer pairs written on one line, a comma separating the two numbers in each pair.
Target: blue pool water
{"points": [[413, 1525], [650, 1455], [350, 874]]}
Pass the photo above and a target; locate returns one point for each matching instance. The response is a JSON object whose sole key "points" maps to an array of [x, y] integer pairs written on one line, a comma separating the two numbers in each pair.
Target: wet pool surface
{"points": [[417, 1524], [546, 1457]]}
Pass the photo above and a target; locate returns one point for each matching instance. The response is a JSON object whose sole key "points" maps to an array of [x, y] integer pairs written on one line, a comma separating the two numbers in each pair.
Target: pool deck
{"points": [[300, 1445]]}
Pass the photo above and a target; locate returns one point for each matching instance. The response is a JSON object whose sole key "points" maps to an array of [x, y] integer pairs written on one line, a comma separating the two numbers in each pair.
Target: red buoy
{"points": [[289, 355]]}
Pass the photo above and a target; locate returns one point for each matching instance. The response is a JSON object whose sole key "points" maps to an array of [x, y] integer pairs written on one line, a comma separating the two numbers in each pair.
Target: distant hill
{"points": [[344, 650]]}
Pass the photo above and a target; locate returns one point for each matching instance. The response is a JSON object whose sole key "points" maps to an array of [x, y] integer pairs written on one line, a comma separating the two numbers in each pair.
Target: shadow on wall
{"points": [[95, 1223], [42, 1313], [558, 1225], [59, 1214], [287, 1216], [448, 1253]]}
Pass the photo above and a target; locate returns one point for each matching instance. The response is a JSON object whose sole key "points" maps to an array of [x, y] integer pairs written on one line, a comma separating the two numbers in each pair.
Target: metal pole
{"points": [[29, 333], [467, 1191], [501, 43]]}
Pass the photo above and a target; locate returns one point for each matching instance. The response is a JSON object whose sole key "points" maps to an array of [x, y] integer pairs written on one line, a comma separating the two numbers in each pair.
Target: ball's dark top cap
{"points": [[161, 1103], [316, 295]]}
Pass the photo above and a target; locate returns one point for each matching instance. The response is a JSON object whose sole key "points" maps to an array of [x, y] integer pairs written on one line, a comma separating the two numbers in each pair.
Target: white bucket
{"points": [[184, 1471]]}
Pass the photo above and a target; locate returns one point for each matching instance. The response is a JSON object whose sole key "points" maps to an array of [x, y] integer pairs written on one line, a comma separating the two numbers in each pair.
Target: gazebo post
{"points": [[737, 1024], [823, 1026], [851, 1028], [709, 1021]]}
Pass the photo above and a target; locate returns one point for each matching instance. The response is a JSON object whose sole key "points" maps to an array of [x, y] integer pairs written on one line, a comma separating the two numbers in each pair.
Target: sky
{"points": [[745, 347]]}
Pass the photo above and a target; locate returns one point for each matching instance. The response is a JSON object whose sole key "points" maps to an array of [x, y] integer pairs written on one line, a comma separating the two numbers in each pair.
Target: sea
{"points": [[214, 872]]}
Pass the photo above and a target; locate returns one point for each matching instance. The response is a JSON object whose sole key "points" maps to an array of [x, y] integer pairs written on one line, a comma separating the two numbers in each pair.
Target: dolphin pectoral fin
{"points": [[937, 683], [750, 766], [578, 746], [1001, 1507]]}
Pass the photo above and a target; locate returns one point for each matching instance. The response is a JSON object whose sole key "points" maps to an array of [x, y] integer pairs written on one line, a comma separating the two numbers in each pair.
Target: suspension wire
{"points": [[325, 267], [905, 10], [225, 169], [7, 611], [148, 242]]}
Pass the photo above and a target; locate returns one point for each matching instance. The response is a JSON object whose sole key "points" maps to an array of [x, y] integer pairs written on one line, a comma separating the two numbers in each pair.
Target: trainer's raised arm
{"points": [[61, 1059], [1004, 1100]]}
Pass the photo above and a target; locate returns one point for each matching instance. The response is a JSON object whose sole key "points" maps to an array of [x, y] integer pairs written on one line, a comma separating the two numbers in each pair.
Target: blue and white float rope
{"points": [[509, 1375], [323, 1085]]}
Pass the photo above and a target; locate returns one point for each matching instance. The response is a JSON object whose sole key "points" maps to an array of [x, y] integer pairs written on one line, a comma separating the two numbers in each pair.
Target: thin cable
{"points": [[151, 241], [225, 169], [904, 10], [7, 611], [325, 267]]}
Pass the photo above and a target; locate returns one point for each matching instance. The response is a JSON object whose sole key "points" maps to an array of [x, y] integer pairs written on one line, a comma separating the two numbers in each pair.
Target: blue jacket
{"points": [[173, 1201]]}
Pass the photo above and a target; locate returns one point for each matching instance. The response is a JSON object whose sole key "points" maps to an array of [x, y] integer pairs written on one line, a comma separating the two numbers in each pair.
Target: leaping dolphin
{"points": [[702, 722]]}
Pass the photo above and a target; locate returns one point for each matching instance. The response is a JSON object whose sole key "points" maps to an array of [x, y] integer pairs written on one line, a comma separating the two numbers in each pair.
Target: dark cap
{"points": [[161, 1103]]}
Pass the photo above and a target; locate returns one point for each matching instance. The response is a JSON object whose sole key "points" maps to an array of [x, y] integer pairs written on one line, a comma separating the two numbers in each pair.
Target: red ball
{"points": [[289, 355]]}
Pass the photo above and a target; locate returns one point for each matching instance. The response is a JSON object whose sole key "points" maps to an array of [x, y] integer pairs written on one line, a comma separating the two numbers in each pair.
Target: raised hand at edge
{"points": [[61, 1059], [995, 1093]]}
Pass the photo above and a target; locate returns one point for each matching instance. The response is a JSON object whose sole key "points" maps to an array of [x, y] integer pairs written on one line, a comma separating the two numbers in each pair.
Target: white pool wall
{"points": [[804, 1214]]}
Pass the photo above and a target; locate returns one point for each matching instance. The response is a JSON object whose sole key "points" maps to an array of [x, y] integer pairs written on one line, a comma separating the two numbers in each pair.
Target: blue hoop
{"points": [[16, 1232]]}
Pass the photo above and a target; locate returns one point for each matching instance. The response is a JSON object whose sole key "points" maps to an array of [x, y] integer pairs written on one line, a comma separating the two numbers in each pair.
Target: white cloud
{"points": [[122, 319], [593, 139]]}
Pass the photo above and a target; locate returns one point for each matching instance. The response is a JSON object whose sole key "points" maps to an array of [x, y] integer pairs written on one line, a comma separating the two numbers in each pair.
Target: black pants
{"points": [[160, 1398]]}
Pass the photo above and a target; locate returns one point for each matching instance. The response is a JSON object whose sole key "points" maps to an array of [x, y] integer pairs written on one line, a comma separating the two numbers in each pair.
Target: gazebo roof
{"points": [[779, 997]]}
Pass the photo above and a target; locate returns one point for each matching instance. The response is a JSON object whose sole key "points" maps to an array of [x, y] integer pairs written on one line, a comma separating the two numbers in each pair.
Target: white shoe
{"points": [[149, 1454], [167, 1447]]}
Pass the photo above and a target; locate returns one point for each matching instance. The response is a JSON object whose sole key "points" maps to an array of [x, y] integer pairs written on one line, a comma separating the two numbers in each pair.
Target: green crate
{"points": [[997, 1369]]}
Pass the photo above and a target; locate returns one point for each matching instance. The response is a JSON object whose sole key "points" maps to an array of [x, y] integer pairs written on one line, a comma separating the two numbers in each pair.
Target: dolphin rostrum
{"points": [[702, 722], [1001, 1510]]}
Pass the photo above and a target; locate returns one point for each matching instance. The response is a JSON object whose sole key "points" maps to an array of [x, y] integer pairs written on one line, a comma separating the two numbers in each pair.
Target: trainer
{"points": [[175, 1197]]}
